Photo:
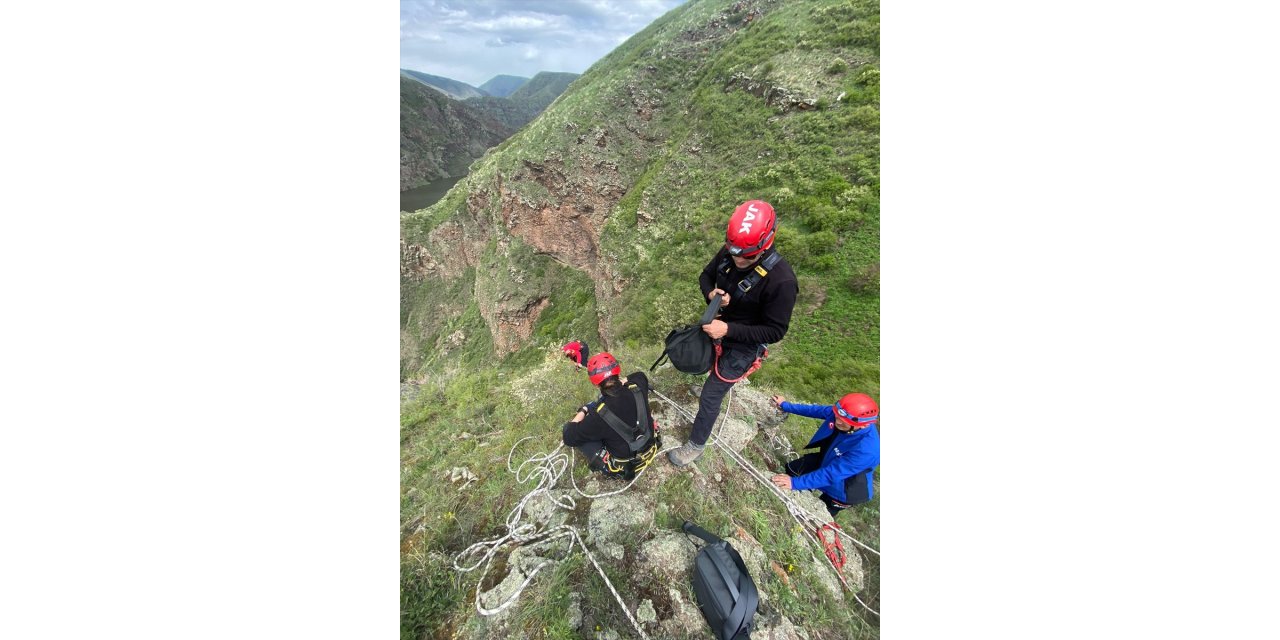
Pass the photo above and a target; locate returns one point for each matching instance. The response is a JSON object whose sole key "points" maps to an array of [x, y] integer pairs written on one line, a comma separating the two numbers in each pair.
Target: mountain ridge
{"points": [[453, 88], [501, 86]]}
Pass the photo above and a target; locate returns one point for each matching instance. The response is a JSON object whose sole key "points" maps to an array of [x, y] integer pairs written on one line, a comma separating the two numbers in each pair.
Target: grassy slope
{"points": [[818, 167]]}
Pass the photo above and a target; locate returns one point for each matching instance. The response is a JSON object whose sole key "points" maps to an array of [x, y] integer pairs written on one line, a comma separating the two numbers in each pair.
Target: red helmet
{"points": [[751, 228], [856, 408], [602, 366]]}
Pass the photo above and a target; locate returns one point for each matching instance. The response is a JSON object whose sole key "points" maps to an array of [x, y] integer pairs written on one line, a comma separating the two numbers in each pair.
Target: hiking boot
{"points": [[688, 452]]}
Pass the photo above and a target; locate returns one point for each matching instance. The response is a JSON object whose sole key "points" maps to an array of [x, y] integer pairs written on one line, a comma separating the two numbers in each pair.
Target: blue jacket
{"points": [[849, 454]]}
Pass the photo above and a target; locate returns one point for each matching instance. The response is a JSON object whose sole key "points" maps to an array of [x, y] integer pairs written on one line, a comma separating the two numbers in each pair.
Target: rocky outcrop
{"points": [[511, 321], [774, 95]]}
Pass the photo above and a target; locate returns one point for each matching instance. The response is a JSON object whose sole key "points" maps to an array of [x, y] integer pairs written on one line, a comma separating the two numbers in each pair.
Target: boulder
{"points": [[670, 556], [779, 628], [686, 621], [626, 516]]}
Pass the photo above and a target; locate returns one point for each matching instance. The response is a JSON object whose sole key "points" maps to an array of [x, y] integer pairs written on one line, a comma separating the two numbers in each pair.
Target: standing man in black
{"points": [[758, 291]]}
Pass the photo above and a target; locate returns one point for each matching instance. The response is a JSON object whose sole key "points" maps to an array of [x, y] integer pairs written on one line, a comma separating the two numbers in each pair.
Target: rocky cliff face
{"points": [[439, 137]]}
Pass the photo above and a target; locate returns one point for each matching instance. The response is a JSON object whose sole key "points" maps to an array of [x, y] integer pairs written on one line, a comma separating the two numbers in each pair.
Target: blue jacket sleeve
{"points": [[835, 473], [821, 411]]}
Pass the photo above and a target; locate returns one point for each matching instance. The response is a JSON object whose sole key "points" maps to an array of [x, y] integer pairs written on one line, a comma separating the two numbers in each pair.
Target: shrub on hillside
{"points": [[866, 280]]}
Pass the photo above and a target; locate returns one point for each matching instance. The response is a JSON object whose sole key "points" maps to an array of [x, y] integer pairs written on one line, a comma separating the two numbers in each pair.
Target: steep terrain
{"points": [[452, 88], [592, 222], [439, 136], [501, 86]]}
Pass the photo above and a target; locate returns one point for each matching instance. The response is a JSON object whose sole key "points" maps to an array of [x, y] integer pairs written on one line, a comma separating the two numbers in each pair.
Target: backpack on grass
{"points": [[726, 593]]}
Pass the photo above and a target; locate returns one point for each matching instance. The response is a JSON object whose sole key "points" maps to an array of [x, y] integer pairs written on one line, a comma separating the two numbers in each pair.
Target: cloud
{"points": [[473, 41]]}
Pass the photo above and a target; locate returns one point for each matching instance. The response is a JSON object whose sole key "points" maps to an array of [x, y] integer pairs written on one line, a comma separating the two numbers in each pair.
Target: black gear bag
{"points": [[689, 348], [726, 593]]}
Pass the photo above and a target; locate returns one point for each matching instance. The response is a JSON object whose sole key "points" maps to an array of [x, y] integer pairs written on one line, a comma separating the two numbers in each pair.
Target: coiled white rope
{"points": [[547, 469]]}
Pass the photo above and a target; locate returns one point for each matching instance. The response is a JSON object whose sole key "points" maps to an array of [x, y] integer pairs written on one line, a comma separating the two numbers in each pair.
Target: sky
{"points": [[474, 40]]}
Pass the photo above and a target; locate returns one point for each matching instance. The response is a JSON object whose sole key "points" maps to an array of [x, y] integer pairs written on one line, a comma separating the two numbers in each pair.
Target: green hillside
{"points": [[593, 222], [543, 88]]}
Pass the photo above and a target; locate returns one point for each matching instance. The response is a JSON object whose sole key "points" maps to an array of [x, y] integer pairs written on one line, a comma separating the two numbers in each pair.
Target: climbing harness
{"points": [[757, 274], [645, 440], [636, 436], [628, 467]]}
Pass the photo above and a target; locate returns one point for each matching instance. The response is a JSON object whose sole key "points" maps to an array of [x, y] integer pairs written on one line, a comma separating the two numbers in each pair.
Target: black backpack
{"points": [[689, 348], [726, 593]]}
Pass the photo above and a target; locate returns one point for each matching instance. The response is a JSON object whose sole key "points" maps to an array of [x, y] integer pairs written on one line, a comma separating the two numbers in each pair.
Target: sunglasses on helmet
{"points": [[845, 414], [745, 252]]}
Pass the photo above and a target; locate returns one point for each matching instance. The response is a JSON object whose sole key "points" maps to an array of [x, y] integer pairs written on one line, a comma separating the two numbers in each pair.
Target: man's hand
{"points": [[716, 329], [777, 401], [782, 481], [724, 297], [579, 417]]}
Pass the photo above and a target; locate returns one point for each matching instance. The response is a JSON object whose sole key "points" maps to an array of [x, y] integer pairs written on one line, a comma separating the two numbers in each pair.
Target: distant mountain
{"points": [[439, 136], [526, 102], [543, 89], [452, 88], [502, 86]]}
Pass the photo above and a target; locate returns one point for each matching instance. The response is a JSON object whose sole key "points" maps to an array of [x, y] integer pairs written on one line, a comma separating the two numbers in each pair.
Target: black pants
{"points": [[855, 488], [734, 361]]}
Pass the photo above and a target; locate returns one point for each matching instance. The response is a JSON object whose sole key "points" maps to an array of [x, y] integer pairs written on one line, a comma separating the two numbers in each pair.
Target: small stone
{"points": [[645, 612], [575, 611], [613, 550], [719, 478]]}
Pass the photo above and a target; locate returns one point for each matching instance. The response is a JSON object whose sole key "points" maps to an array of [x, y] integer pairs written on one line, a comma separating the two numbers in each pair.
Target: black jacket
{"points": [[764, 313], [593, 428]]}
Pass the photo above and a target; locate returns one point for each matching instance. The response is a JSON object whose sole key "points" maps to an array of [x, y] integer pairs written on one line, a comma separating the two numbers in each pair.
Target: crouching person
{"points": [[615, 432], [848, 451]]}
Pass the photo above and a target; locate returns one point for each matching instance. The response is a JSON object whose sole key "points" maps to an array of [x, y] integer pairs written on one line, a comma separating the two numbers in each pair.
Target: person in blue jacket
{"points": [[848, 451]]}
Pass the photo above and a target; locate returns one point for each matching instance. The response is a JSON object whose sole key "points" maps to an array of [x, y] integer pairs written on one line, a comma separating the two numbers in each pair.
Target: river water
{"points": [[426, 195]]}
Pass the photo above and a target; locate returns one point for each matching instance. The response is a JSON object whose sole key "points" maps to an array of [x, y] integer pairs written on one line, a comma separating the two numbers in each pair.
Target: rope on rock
{"points": [[797, 512], [547, 469]]}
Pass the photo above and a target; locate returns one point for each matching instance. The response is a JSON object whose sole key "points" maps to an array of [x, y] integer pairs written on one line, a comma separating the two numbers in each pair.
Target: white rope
{"points": [[547, 469], [797, 512]]}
